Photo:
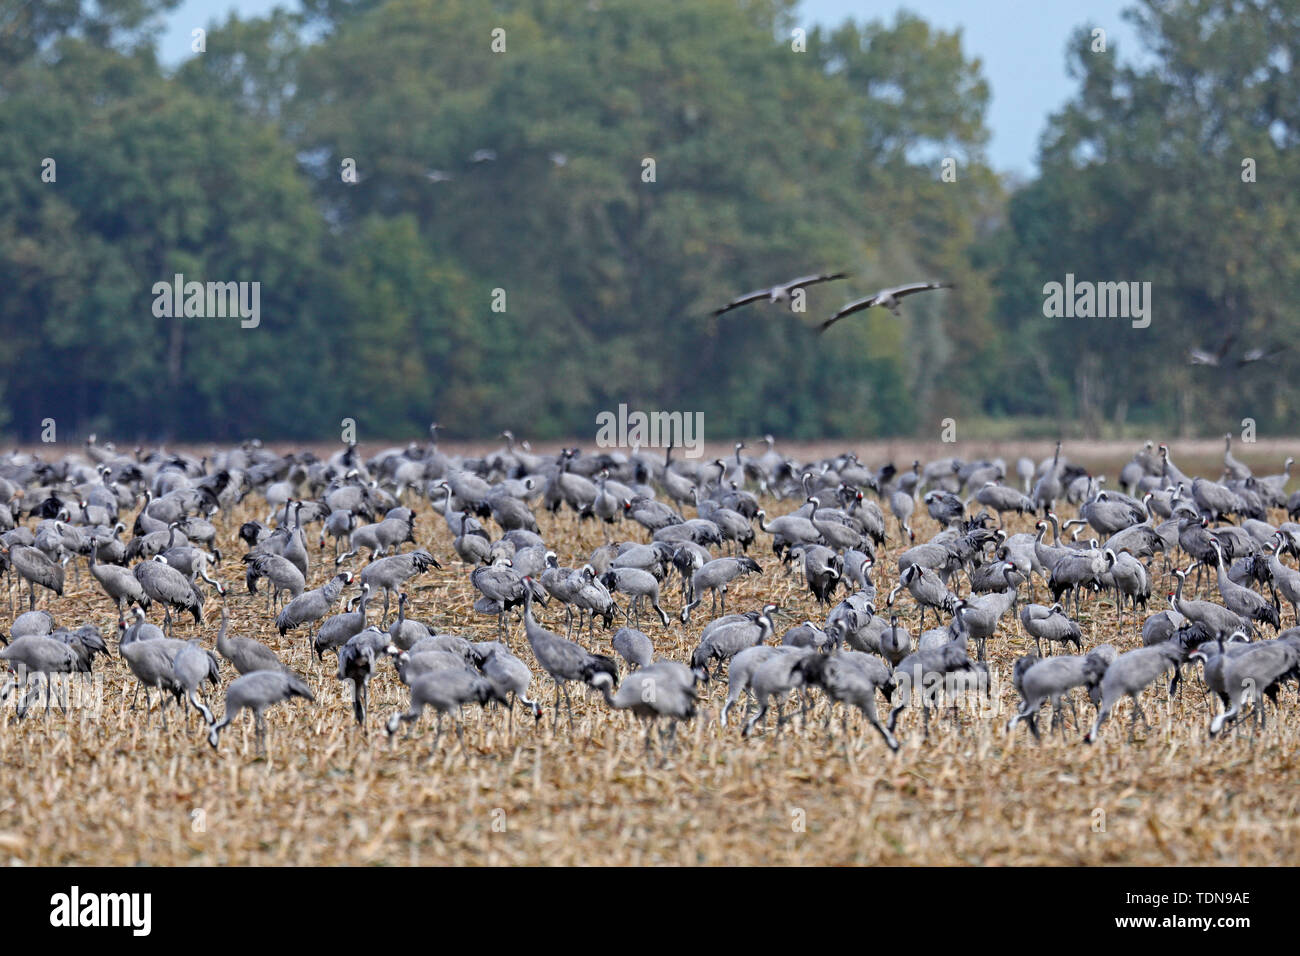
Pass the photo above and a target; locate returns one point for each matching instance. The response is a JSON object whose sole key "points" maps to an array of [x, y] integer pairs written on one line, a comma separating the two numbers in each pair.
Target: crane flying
{"points": [[780, 293], [886, 298]]}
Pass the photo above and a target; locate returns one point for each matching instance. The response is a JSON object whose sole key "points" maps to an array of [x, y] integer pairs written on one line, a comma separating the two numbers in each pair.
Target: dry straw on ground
{"points": [[112, 787]]}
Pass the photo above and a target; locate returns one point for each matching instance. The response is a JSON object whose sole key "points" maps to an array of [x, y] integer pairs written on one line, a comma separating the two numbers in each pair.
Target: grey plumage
{"points": [[191, 666], [852, 678], [310, 606], [564, 660], [662, 689], [446, 691], [168, 587], [1050, 624], [336, 631], [392, 572], [256, 692], [634, 647], [245, 653], [725, 638], [1128, 675], [35, 568]]}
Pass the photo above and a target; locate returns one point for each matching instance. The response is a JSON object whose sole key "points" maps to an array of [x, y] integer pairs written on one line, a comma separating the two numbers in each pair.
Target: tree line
{"points": [[521, 214]]}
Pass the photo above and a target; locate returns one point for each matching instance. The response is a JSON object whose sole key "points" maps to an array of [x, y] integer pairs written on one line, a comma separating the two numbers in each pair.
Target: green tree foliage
{"points": [[522, 179], [1142, 179]]}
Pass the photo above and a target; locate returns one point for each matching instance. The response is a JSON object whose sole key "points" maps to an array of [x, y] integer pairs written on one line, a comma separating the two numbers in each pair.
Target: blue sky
{"points": [[1021, 44]]}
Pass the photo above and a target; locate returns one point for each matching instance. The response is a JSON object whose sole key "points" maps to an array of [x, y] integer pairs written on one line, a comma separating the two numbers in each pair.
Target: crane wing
{"points": [[805, 281], [912, 288], [847, 310], [745, 299]]}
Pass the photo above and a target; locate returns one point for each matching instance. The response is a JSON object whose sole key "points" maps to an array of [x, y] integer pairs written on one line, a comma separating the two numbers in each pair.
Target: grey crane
{"points": [[639, 586], [809, 635], [851, 678], [245, 654], [1079, 569], [454, 644], [839, 537], [634, 647], [168, 587], [1109, 516], [193, 562], [510, 679], [446, 691], [405, 631], [774, 678], [310, 606], [502, 588], [1242, 601], [118, 582], [392, 572], [1129, 577], [663, 689], [1050, 678], [339, 524], [357, 663], [422, 660], [473, 549], [1003, 499], [782, 292], [564, 660], [650, 514], [591, 597], [35, 568], [336, 631], [890, 299], [725, 638], [1214, 500], [1218, 619], [925, 672], [1232, 468], [1214, 655], [1128, 675], [733, 527], [39, 656], [1247, 677], [979, 617], [927, 588], [382, 536], [715, 576], [151, 663], [1139, 540], [282, 574], [1048, 487], [1050, 624], [140, 629], [741, 672], [191, 666], [823, 570], [256, 692], [1286, 580], [31, 623], [944, 507], [895, 641], [902, 504], [787, 531]]}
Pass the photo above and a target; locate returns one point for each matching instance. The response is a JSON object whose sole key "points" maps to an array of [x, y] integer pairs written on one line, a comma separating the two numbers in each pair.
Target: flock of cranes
{"points": [[146, 526]]}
